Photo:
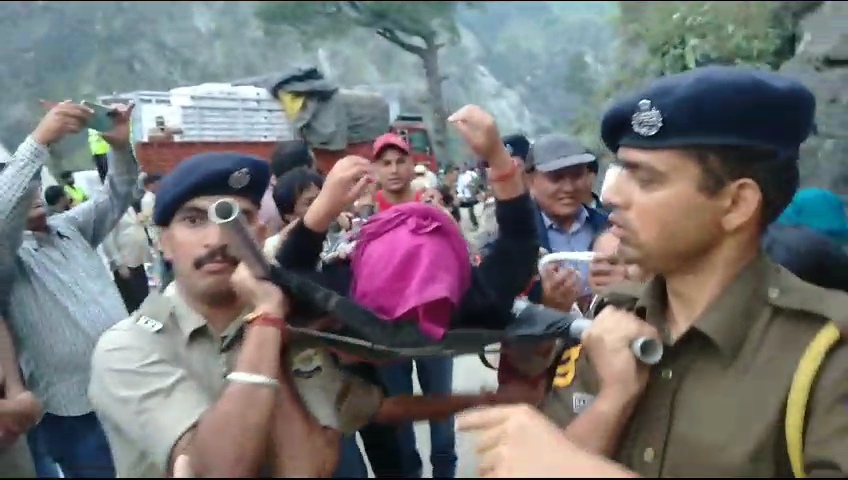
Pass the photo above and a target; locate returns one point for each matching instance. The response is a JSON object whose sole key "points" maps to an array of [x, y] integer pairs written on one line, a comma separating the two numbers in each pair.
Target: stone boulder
{"points": [[821, 62]]}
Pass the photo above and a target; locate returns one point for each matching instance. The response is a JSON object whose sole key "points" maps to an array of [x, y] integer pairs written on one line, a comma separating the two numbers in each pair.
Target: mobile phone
{"points": [[101, 119]]}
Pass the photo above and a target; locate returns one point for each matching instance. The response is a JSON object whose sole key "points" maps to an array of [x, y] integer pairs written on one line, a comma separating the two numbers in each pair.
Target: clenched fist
{"points": [[607, 345], [348, 180], [477, 127], [517, 441]]}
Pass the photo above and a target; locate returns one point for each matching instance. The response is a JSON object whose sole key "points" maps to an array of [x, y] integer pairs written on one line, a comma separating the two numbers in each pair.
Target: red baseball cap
{"points": [[388, 140]]}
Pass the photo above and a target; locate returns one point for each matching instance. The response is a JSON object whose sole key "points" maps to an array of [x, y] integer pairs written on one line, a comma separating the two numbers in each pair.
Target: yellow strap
{"points": [[799, 394], [292, 103]]}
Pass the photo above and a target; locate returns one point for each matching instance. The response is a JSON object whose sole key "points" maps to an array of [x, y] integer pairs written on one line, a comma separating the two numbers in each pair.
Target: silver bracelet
{"points": [[246, 378]]}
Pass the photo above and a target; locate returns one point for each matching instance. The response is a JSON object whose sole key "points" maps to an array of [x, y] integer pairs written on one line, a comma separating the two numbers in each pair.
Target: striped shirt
{"points": [[62, 296]]}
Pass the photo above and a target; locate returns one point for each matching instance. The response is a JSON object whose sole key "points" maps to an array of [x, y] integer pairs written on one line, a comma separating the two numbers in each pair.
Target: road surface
{"points": [[469, 376]]}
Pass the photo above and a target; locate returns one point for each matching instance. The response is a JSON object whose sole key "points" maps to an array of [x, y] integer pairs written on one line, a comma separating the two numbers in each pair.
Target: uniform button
{"points": [[773, 292], [666, 374], [648, 455]]}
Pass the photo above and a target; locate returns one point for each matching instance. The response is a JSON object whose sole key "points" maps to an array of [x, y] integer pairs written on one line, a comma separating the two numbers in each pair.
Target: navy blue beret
{"points": [[715, 105], [811, 256], [517, 145], [213, 173]]}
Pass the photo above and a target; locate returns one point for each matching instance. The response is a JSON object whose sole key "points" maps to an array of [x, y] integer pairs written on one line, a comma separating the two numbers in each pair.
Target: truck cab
{"points": [[413, 129]]}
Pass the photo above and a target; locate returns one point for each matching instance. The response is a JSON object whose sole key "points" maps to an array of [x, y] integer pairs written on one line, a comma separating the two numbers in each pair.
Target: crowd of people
{"points": [[137, 342]]}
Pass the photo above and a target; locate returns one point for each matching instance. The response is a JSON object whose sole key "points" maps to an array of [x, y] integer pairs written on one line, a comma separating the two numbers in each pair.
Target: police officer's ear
{"points": [[742, 201], [728, 178]]}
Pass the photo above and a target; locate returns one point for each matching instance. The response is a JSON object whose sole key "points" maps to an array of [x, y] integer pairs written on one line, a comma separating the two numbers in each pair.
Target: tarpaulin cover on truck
{"points": [[326, 116]]}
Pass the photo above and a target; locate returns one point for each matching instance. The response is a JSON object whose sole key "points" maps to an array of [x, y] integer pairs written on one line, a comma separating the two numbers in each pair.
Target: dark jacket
{"points": [[503, 271], [811, 256], [597, 221]]}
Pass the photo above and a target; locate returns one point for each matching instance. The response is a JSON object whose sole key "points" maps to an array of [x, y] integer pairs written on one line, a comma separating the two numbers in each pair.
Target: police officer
{"points": [[709, 159], [202, 362], [198, 371]]}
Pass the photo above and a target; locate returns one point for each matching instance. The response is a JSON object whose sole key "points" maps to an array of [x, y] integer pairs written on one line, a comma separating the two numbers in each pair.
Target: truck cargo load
{"points": [[326, 116], [253, 116], [208, 112]]}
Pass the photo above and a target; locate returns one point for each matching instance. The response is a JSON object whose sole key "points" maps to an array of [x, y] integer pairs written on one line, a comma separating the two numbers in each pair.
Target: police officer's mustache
{"points": [[216, 255]]}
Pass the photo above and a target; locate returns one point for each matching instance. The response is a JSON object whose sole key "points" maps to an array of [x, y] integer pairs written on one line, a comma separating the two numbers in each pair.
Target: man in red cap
{"points": [[395, 171]]}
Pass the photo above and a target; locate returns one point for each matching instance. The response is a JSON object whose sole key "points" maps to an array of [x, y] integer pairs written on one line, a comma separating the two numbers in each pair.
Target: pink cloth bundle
{"points": [[411, 263]]}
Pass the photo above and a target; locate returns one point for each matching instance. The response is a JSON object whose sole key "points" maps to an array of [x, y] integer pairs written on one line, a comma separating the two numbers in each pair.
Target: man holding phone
{"points": [[61, 296]]}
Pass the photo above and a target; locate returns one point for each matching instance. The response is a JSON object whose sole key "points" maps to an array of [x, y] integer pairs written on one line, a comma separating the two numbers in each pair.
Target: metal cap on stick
{"points": [[226, 213]]}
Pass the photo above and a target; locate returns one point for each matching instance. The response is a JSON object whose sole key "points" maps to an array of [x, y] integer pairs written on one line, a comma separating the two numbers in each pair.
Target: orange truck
{"points": [[171, 126]]}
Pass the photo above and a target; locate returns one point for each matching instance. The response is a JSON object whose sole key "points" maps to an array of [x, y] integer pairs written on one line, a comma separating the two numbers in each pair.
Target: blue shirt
{"points": [[578, 238]]}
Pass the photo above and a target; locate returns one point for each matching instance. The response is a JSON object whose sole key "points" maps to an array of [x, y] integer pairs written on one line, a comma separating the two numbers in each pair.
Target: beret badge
{"points": [[239, 179], [648, 120]]}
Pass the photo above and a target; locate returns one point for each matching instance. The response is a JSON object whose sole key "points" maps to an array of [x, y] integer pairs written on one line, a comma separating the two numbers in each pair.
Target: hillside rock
{"points": [[821, 62], [56, 50]]}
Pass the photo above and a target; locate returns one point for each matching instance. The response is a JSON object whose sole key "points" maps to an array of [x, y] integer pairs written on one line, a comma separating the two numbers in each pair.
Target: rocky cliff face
{"points": [[821, 62], [78, 50]]}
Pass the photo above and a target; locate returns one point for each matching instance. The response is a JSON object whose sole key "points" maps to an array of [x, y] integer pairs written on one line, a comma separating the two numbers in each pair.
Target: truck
{"points": [[253, 116]]}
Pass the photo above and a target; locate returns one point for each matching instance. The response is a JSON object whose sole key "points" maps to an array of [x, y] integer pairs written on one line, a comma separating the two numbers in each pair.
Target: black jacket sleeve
{"points": [[511, 261], [301, 250]]}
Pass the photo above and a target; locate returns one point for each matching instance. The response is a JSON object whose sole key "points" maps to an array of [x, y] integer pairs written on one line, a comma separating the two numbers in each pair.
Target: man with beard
{"points": [[709, 160]]}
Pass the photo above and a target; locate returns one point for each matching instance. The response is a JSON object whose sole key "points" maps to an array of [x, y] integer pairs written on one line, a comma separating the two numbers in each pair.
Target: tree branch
{"points": [[368, 17], [393, 37]]}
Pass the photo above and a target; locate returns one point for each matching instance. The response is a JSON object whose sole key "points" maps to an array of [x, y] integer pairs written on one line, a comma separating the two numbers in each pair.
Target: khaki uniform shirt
{"points": [[155, 373], [715, 404]]}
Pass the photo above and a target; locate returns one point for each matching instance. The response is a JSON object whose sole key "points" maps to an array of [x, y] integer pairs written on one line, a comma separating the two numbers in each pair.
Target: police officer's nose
{"points": [[610, 188], [212, 236]]}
